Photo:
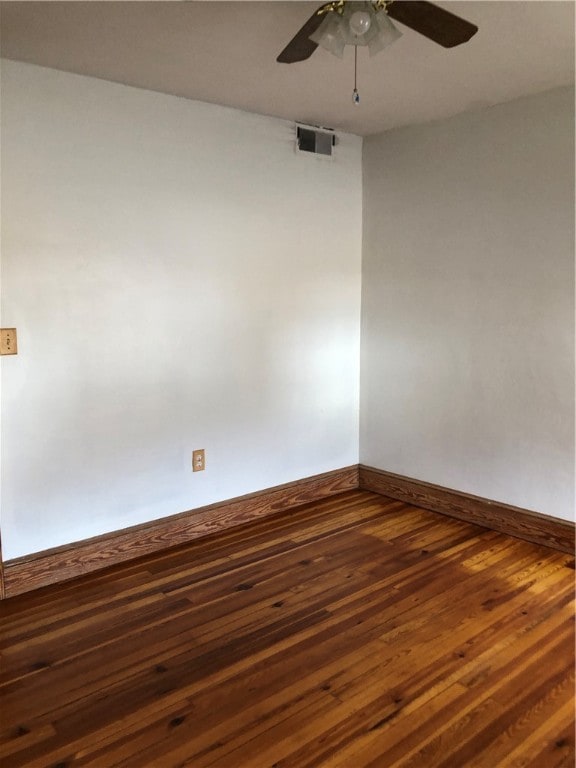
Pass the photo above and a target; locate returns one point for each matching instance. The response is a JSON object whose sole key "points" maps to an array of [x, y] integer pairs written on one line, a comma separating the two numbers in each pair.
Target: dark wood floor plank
{"points": [[355, 631]]}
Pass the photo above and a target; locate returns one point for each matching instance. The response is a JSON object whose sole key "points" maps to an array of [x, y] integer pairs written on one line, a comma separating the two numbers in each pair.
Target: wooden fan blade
{"points": [[432, 21], [300, 47]]}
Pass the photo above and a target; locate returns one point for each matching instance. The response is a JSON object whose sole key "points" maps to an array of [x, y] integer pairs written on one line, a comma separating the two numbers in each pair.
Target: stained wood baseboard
{"points": [[71, 560], [62, 563], [514, 521], [2, 592]]}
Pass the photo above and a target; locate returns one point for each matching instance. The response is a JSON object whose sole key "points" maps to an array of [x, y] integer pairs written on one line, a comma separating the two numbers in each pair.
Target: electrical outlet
{"points": [[198, 460], [8, 341]]}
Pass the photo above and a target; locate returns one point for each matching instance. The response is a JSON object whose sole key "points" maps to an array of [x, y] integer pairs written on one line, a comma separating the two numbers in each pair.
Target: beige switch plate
{"points": [[198, 460], [8, 341]]}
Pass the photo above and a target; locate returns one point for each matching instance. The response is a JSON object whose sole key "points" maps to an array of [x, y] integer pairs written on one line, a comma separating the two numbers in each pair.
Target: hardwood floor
{"points": [[355, 631]]}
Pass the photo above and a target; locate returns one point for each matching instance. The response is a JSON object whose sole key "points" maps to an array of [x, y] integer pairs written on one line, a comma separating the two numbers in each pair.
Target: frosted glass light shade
{"points": [[329, 34], [387, 33]]}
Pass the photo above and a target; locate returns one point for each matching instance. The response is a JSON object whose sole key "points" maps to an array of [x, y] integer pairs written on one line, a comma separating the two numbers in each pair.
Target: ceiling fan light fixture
{"points": [[359, 23], [388, 33], [329, 34]]}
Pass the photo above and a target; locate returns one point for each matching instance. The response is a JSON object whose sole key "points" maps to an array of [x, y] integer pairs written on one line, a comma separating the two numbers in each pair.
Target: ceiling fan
{"points": [[345, 22]]}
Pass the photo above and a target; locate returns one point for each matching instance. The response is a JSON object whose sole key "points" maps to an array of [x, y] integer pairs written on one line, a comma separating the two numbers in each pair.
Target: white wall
{"points": [[468, 303], [179, 279]]}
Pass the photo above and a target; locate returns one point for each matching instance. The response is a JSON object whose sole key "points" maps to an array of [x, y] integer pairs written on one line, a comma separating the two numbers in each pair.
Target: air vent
{"points": [[316, 141]]}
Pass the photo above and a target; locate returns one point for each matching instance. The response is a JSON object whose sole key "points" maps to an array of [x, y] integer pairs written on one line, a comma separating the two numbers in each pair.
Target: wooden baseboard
{"points": [[71, 560], [514, 521], [2, 591], [66, 562]]}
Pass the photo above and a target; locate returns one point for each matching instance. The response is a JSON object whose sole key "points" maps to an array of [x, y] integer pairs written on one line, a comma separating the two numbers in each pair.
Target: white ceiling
{"points": [[224, 52]]}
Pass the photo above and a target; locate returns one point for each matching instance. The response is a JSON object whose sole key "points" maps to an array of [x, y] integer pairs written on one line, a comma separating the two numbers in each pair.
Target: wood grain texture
{"points": [[530, 526], [2, 590], [72, 560], [351, 632]]}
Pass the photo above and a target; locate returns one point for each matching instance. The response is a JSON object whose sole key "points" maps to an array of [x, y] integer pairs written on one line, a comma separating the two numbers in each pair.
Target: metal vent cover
{"points": [[316, 141]]}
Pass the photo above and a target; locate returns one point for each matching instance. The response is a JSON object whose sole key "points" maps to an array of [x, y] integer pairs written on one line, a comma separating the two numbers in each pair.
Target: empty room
{"points": [[287, 384]]}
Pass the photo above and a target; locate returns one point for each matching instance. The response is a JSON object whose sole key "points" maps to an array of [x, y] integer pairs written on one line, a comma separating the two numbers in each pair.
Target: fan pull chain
{"points": [[355, 94]]}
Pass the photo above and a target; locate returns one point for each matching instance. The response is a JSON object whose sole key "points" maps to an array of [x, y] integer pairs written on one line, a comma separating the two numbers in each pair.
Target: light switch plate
{"points": [[8, 341]]}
